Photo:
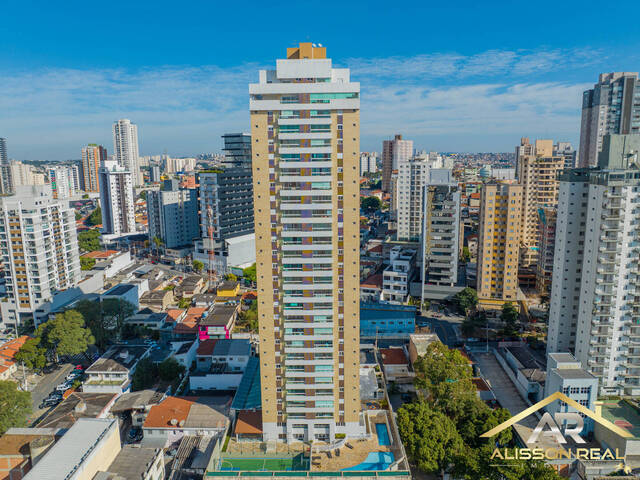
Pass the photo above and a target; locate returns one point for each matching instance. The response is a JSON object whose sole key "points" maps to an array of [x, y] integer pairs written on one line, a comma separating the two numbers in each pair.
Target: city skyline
{"points": [[445, 93]]}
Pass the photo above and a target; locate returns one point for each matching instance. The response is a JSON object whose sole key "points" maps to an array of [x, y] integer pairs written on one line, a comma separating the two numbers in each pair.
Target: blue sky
{"points": [[454, 76]]}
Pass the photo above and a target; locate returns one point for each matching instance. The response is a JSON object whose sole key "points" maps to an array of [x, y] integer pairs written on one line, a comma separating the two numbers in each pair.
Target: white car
{"points": [[63, 387]]}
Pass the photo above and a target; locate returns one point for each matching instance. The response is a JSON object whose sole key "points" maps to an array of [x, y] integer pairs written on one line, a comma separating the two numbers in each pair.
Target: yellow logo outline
{"points": [[596, 416]]}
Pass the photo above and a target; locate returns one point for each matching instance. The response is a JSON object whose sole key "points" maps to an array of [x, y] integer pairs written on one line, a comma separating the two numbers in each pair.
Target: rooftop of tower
{"points": [[306, 50]]}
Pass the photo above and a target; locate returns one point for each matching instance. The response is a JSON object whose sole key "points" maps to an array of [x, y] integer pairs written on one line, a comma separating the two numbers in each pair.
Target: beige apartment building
{"points": [[305, 130], [92, 158], [536, 171], [499, 234]]}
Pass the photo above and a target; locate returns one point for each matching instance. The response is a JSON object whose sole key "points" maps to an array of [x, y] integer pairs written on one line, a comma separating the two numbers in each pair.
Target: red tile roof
{"points": [[100, 254], [206, 346], [393, 356], [171, 408], [9, 349], [374, 281], [249, 422]]}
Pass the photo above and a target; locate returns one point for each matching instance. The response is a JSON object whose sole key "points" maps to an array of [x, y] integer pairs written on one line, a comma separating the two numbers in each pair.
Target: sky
{"points": [[463, 76]]}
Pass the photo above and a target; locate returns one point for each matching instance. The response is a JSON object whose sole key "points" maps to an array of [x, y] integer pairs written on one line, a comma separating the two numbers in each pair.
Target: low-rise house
{"points": [[176, 417], [232, 353], [125, 291], [112, 372], [76, 406], [110, 262], [523, 369], [418, 344], [395, 364], [483, 390], [8, 350], [87, 448], [397, 276], [228, 289], [371, 288], [218, 322], [190, 286], [21, 448], [137, 404], [135, 462], [148, 319], [157, 300], [248, 426], [187, 327]]}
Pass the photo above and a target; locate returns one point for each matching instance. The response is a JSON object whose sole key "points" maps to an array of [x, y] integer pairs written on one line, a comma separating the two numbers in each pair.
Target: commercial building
{"points": [[237, 149], [226, 214], [499, 234], [92, 157], [125, 149], [305, 120], [595, 293], [173, 214], [440, 239], [39, 246], [116, 199], [537, 174], [394, 151], [612, 106], [383, 319]]}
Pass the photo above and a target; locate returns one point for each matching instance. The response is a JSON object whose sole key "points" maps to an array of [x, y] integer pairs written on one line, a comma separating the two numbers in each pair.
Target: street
{"points": [[446, 326], [45, 386]]}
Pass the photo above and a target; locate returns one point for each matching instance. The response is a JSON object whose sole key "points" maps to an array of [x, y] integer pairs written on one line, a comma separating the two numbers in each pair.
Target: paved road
{"points": [[446, 327], [45, 386]]}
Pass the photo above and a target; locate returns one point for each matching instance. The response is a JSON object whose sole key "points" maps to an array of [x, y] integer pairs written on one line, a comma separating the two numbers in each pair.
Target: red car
{"points": [[79, 367]]}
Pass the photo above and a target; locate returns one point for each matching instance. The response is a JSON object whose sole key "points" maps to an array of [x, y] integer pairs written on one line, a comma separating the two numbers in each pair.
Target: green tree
{"points": [[105, 319], [95, 218], [89, 240], [231, 277], [466, 254], [143, 195], [198, 266], [87, 263], [78, 216], [249, 273], [15, 406], [371, 204], [66, 334], [444, 375], [429, 437], [249, 318], [509, 316], [184, 302], [466, 299], [145, 375], [170, 370], [32, 354]]}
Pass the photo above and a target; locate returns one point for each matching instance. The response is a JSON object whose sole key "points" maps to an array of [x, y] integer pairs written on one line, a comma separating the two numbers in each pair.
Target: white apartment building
{"points": [[440, 230], [368, 163], [393, 152], [125, 149], [64, 180], [22, 174], [408, 188], [39, 247], [116, 199], [595, 293], [612, 106], [566, 151], [397, 276]]}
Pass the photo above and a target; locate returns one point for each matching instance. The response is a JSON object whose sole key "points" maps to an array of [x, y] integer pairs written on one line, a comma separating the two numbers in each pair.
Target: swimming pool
{"points": [[374, 461], [383, 434]]}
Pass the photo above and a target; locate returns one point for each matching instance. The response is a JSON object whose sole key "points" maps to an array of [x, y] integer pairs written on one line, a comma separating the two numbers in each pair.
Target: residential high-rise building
{"points": [[116, 199], [237, 149], [537, 174], [39, 247], [92, 157], [546, 246], [566, 151], [368, 163], [226, 205], [4, 159], [154, 174], [525, 148], [440, 237], [21, 174], [394, 151], [412, 176], [499, 235], [595, 292], [612, 106], [173, 214], [64, 180], [125, 148], [305, 130]]}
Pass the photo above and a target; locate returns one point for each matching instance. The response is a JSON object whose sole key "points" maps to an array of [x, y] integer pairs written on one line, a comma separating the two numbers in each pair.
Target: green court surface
{"points": [[299, 462]]}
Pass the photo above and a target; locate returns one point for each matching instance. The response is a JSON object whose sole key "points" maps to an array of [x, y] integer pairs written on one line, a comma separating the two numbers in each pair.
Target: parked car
{"points": [[50, 402], [135, 434], [63, 387], [79, 367], [73, 375]]}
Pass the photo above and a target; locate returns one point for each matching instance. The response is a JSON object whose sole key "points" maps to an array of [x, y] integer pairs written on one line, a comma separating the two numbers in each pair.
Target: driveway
{"points": [[503, 388]]}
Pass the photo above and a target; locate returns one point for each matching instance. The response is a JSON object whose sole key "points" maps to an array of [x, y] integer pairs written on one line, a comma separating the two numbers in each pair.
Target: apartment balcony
{"points": [[610, 249]]}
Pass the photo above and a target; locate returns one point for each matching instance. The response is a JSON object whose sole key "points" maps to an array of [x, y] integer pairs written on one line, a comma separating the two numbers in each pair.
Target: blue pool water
{"points": [[383, 434], [374, 461]]}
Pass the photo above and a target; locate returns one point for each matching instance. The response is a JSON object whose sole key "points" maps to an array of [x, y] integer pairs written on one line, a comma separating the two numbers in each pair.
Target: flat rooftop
{"points": [[573, 373], [623, 415], [133, 461], [119, 289]]}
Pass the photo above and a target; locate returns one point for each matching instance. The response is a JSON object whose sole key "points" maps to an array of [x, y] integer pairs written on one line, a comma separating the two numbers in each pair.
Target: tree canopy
{"points": [[249, 273], [147, 373], [466, 299], [198, 265], [15, 406], [32, 354], [65, 334], [371, 204], [89, 240], [95, 218], [87, 263], [105, 319]]}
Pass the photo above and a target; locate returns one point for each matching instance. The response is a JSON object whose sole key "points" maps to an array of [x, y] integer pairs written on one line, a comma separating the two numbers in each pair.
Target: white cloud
{"points": [[51, 113]]}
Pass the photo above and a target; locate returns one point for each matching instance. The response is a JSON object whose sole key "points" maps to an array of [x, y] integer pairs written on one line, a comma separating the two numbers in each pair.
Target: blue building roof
{"points": [[248, 396]]}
